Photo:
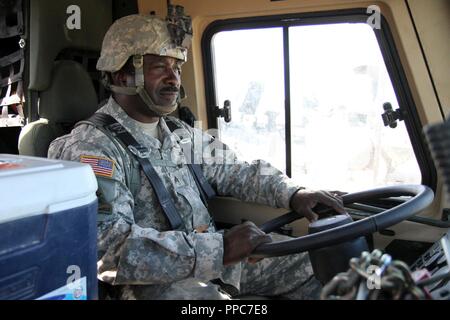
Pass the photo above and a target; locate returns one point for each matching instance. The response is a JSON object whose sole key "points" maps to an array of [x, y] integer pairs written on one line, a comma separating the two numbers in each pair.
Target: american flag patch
{"points": [[102, 167]]}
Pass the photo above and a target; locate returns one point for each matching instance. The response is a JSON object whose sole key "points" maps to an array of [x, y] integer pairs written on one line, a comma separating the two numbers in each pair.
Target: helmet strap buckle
{"points": [[138, 64]]}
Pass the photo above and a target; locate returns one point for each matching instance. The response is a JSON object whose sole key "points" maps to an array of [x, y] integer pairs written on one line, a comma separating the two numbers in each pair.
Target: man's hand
{"points": [[303, 201], [240, 241]]}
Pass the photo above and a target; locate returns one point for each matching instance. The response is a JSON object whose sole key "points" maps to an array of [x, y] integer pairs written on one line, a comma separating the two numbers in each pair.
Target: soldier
{"points": [[142, 252]]}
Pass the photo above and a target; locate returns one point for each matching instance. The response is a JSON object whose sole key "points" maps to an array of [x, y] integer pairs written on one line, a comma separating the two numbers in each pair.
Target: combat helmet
{"points": [[137, 35]]}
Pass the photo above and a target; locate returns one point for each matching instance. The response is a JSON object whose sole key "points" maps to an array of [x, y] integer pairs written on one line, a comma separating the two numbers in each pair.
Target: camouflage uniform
{"points": [[137, 250]]}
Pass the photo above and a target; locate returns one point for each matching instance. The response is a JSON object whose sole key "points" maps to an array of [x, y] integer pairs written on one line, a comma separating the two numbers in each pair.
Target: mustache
{"points": [[169, 89]]}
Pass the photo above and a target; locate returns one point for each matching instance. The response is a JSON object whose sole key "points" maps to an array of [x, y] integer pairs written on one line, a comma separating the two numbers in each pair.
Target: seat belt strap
{"points": [[206, 191], [141, 153]]}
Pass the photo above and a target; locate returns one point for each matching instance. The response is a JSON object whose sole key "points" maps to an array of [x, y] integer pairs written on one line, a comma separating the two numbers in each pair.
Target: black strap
{"points": [[206, 191], [167, 205]]}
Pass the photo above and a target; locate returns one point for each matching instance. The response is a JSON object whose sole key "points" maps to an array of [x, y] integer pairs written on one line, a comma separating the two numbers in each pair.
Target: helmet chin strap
{"points": [[159, 110], [139, 89]]}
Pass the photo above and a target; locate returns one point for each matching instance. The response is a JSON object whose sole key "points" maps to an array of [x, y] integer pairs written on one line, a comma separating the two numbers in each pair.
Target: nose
{"points": [[172, 77]]}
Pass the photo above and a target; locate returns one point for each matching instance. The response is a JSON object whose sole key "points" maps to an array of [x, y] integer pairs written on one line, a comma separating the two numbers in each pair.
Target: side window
{"points": [[250, 75], [325, 129], [340, 84]]}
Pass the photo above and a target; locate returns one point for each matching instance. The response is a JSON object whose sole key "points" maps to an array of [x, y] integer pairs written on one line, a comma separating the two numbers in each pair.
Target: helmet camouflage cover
{"points": [[137, 35]]}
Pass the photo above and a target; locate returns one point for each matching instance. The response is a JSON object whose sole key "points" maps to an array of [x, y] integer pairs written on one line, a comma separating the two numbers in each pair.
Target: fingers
{"points": [[256, 235], [335, 202], [304, 201], [338, 193], [254, 260], [260, 238], [309, 214], [240, 241]]}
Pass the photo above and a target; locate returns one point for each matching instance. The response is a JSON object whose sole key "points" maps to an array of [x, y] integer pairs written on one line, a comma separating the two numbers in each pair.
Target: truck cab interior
{"points": [[339, 95]]}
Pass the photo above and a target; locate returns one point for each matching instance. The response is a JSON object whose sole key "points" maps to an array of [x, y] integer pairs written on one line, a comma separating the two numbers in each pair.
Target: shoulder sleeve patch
{"points": [[102, 167]]}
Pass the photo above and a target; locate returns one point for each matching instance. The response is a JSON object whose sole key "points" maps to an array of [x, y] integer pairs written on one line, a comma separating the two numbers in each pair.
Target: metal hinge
{"points": [[224, 112], [390, 117]]}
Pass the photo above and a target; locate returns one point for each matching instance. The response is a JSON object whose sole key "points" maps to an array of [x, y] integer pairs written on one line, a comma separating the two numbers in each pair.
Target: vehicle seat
{"points": [[70, 98]]}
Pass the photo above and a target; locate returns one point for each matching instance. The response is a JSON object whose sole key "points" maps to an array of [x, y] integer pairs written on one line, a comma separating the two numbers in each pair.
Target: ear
{"points": [[119, 78]]}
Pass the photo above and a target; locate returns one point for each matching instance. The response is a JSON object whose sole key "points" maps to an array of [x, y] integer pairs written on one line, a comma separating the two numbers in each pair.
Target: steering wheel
{"points": [[422, 196]]}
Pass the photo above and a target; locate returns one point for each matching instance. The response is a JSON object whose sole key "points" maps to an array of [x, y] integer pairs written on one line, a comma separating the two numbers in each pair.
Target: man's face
{"points": [[162, 79]]}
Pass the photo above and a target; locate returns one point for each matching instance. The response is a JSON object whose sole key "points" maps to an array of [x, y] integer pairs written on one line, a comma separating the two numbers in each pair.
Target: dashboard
{"points": [[436, 260]]}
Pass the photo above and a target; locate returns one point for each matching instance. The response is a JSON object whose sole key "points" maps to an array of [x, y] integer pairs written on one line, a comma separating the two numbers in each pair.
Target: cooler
{"points": [[48, 211]]}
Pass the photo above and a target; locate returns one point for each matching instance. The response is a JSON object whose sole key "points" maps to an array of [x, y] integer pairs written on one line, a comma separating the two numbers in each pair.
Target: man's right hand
{"points": [[240, 241]]}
